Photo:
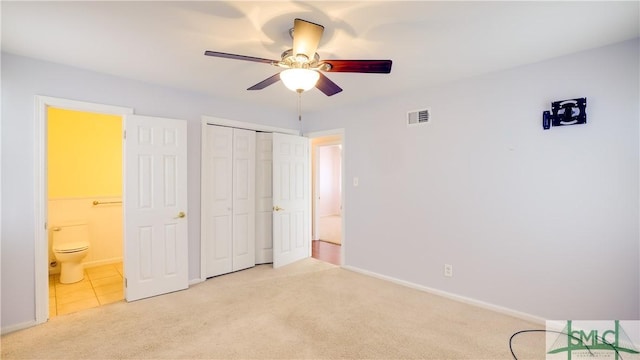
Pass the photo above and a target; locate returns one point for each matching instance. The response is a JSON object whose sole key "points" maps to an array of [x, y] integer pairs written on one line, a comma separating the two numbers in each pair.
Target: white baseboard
{"points": [[89, 264], [448, 295], [195, 281], [16, 327], [95, 263]]}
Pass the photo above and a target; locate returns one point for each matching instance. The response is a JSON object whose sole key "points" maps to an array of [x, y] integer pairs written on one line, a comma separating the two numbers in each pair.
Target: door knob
{"points": [[277, 208], [181, 215]]}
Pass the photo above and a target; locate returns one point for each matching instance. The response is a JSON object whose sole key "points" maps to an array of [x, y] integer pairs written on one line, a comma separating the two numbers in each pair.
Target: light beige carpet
{"points": [[331, 229], [307, 310]]}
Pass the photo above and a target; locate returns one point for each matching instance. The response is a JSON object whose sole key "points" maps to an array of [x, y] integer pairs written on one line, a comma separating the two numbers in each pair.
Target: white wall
{"points": [[544, 222], [22, 79], [541, 222]]}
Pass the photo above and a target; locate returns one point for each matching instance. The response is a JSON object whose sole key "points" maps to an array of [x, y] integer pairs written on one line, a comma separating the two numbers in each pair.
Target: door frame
{"points": [[342, 133], [41, 247], [211, 120]]}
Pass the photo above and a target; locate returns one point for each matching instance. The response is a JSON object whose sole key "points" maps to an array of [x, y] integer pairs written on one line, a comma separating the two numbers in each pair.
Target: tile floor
{"points": [[101, 285]]}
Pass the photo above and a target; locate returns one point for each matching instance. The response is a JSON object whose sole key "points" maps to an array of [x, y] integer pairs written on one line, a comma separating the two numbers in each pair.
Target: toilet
{"points": [[71, 245]]}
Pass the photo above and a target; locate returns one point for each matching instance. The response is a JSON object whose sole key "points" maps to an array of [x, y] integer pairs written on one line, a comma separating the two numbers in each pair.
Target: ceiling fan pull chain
{"points": [[299, 105]]}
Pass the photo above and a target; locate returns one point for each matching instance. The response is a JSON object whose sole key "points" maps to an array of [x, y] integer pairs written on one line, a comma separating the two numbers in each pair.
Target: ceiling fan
{"points": [[303, 67]]}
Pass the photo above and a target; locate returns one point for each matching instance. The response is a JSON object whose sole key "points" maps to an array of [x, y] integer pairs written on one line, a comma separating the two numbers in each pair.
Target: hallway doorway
{"points": [[327, 204]]}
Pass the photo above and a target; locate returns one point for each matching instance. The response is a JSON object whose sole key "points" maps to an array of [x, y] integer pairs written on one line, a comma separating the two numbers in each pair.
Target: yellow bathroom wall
{"points": [[84, 154]]}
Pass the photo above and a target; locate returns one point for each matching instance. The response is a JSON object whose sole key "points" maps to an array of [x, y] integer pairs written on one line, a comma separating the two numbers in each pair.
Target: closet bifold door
{"points": [[228, 199], [244, 199], [264, 198]]}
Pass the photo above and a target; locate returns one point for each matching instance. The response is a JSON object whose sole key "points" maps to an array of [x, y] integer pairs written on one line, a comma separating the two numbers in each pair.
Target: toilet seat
{"points": [[71, 247]]}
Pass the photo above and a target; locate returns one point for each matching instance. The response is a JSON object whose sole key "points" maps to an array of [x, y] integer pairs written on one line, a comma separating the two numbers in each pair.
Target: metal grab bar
{"points": [[96, 202]]}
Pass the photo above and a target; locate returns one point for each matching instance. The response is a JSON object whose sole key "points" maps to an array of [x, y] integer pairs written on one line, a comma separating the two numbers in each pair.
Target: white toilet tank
{"points": [[70, 237]]}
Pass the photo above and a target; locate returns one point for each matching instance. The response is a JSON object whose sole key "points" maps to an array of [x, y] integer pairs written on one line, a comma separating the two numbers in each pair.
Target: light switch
{"points": [[356, 181]]}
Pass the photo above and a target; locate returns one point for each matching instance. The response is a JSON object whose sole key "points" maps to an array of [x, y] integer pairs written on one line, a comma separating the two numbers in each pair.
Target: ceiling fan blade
{"points": [[327, 86], [306, 37], [238, 57], [359, 66], [266, 82]]}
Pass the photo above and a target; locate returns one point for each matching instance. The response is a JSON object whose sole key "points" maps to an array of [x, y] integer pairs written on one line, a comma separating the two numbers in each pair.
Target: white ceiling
{"points": [[430, 42]]}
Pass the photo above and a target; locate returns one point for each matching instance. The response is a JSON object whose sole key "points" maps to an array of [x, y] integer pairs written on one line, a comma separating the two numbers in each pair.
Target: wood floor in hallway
{"points": [[326, 251]]}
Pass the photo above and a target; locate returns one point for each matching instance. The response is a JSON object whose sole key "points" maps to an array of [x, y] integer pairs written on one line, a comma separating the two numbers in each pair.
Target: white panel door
{"points": [[264, 198], [291, 232], [217, 199], [155, 204], [244, 201]]}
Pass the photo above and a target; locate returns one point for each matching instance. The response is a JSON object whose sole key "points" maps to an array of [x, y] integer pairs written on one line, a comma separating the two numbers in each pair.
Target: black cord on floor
{"points": [[558, 332]]}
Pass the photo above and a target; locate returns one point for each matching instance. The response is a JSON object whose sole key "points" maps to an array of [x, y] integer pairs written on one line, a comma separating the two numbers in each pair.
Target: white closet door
{"points": [[291, 232], [155, 205], [264, 198], [244, 201], [228, 199], [217, 199]]}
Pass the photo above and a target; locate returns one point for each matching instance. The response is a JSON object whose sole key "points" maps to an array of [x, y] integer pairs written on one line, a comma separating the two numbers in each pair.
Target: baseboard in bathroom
{"points": [[110, 261], [90, 264]]}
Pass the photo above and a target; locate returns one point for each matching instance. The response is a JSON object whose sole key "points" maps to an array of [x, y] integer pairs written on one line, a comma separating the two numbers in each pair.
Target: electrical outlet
{"points": [[448, 270]]}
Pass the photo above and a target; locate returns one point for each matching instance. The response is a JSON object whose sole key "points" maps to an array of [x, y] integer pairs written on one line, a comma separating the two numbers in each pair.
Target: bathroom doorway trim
{"points": [[40, 192]]}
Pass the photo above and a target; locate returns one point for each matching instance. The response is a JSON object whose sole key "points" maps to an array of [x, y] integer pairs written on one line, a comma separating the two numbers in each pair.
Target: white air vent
{"points": [[417, 117]]}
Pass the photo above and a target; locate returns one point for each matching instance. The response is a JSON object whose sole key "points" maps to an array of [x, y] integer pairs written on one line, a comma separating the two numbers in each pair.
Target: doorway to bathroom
{"points": [[154, 199], [84, 189]]}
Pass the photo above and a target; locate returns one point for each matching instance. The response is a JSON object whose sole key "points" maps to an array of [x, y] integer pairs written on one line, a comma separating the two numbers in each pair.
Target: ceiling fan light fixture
{"points": [[299, 79], [303, 65]]}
